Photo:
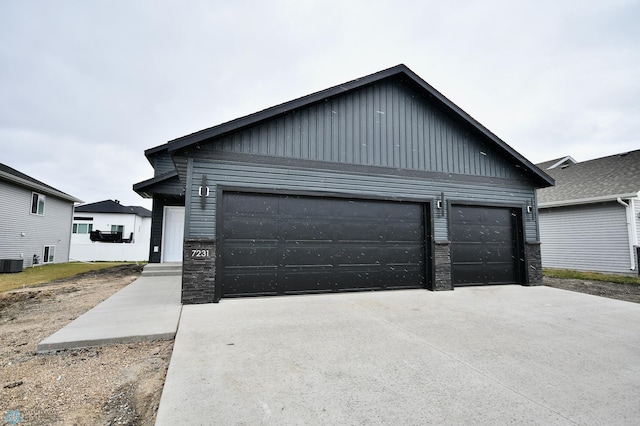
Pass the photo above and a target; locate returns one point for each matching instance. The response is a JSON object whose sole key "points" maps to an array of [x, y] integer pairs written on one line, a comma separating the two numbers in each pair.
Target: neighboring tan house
{"points": [[376, 184], [109, 231], [35, 220], [590, 220]]}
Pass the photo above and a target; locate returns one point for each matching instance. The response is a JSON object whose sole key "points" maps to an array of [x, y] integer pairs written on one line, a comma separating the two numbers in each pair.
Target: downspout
{"points": [[632, 236]]}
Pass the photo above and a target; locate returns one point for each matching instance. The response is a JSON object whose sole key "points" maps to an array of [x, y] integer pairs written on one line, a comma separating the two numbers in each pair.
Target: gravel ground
{"points": [[110, 385]]}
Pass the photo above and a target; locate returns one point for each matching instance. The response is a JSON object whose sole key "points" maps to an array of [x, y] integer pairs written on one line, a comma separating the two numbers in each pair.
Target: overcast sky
{"points": [[86, 86]]}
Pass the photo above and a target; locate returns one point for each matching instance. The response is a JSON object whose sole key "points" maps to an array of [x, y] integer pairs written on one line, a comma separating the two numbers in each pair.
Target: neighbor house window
{"points": [[117, 228], [37, 203], [49, 254], [82, 228]]}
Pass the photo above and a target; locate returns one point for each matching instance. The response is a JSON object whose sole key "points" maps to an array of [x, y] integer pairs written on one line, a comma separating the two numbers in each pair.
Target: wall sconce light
{"points": [[440, 204], [203, 192], [529, 209]]}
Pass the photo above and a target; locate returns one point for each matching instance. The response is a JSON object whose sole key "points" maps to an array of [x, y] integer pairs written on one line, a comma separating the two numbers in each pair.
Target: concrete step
{"points": [[162, 269]]}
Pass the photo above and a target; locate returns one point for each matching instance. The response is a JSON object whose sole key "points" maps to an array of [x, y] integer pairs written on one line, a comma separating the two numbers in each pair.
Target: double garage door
{"points": [[273, 244], [284, 244]]}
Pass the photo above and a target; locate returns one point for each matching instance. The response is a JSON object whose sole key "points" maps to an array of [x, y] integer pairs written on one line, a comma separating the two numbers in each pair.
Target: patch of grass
{"points": [[589, 276], [45, 273]]}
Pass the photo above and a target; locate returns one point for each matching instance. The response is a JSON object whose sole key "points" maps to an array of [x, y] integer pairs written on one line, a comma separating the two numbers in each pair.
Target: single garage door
{"points": [[284, 244], [485, 246]]}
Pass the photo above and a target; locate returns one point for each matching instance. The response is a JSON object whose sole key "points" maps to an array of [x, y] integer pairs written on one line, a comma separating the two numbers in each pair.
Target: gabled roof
{"points": [[602, 179], [558, 162], [109, 206], [399, 71], [12, 175]]}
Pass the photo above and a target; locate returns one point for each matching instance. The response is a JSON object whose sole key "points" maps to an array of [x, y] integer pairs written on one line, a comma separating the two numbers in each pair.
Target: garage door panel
{"points": [[401, 212], [307, 231], [259, 281], [496, 216], [251, 229], [346, 209], [467, 251], [498, 253], [308, 255], [465, 216], [484, 245], [400, 276], [468, 274], [246, 204], [359, 256], [252, 255], [306, 207], [467, 232], [501, 273], [321, 244], [302, 280], [403, 255], [401, 232], [358, 231], [486, 252], [501, 235]]}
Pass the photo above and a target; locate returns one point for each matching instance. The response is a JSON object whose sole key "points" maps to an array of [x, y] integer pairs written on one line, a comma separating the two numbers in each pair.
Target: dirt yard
{"points": [[628, 292], [110, 385]]}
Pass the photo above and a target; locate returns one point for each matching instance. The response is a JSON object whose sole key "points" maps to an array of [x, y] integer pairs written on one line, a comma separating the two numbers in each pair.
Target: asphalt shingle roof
{"points": [[602, 178], [17, 177], [109, 206]]}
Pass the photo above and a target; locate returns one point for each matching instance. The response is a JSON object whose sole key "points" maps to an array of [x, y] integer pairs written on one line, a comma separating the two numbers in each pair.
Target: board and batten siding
{"points": [[590, 237], [162, 163], [384, 125], [52, 229], [202, 222]]}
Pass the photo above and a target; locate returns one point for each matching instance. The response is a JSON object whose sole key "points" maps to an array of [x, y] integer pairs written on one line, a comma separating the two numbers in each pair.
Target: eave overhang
{"points": [[145, 188], [592, 200], [38, 188]]}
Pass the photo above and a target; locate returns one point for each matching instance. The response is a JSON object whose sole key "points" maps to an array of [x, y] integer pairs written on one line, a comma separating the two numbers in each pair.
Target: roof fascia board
{"points": [[146, 183], [592, 200], [149, 153], [40, 188]]}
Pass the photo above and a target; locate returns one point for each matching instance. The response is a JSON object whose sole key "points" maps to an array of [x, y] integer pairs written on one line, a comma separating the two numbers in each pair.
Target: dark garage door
{"points": [[283, 244], [484, 245]]}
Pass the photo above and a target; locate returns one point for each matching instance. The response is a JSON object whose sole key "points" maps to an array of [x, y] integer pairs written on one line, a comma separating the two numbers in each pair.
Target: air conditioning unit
{"points": [[11, 265]]}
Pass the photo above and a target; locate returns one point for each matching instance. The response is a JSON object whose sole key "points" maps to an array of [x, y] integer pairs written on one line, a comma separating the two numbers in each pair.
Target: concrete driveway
{"points": [[482, 355]]}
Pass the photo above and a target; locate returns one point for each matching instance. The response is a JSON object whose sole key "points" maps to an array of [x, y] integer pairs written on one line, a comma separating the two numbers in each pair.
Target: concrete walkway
{"points": [[147, 309], [480, 355]]}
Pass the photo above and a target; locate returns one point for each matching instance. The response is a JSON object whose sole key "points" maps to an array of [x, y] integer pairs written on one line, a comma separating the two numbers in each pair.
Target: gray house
{"points": [[590, 221], [378, 183], [36, 220]]}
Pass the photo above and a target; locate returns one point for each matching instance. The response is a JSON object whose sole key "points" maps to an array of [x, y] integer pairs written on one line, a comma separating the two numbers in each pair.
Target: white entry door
{"points": [[173, 234]]}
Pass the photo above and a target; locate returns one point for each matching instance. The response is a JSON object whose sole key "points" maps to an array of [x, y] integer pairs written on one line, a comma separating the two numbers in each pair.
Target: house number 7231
{"points": [[199, 253]]}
